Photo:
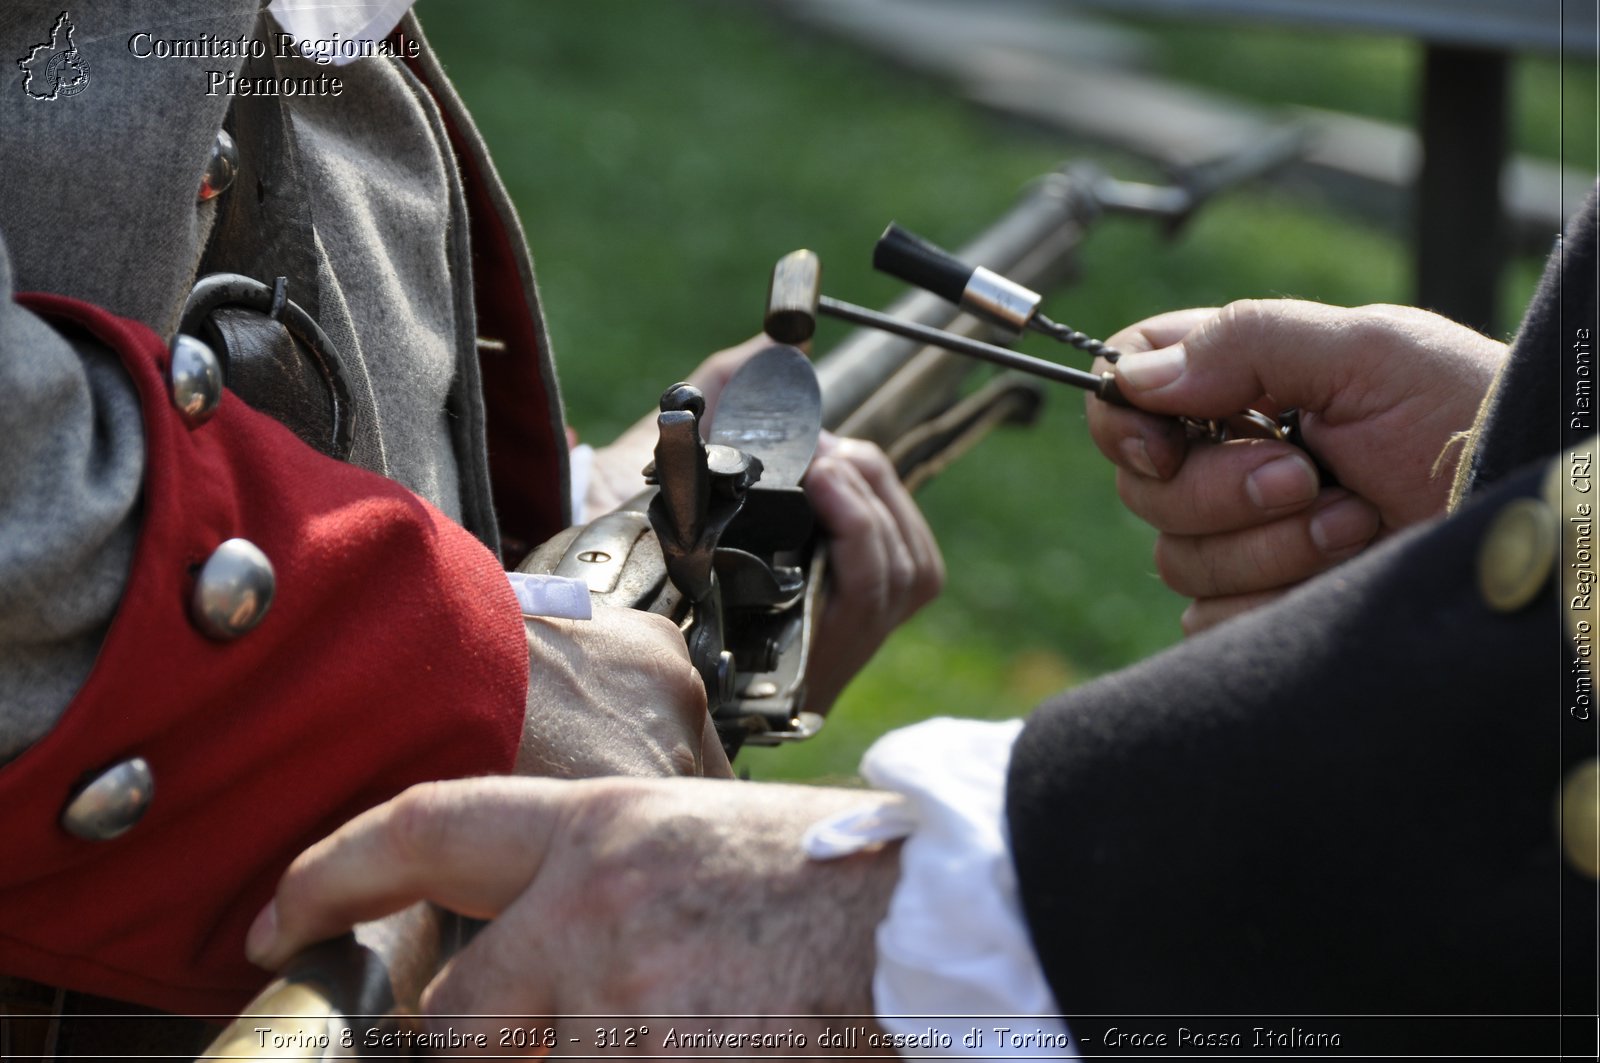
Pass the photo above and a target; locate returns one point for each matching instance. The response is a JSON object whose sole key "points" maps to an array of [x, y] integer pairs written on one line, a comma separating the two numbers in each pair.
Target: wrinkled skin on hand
{"points": [[1384, 392], [615, 695], [885, 563], [613, 897]]}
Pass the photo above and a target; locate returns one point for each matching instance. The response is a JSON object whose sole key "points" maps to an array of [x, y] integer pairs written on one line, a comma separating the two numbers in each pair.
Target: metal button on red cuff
{"points": [[233, 590], [110, 803], [195, 380]]}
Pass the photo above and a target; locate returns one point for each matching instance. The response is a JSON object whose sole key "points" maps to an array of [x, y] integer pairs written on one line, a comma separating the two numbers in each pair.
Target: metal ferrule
{"points": [[1000, 299]]}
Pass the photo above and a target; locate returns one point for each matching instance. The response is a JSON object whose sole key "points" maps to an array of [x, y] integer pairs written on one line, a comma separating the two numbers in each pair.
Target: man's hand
{"points": [[884, 560], [1382, 392], [615, 695], [608, 897]]}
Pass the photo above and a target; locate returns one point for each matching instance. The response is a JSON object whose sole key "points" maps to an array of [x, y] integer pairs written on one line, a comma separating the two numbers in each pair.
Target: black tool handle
{"points": [[903, 254]]}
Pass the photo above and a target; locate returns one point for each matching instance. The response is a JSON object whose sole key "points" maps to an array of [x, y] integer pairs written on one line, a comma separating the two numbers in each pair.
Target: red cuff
{"points": [[393, 653]]}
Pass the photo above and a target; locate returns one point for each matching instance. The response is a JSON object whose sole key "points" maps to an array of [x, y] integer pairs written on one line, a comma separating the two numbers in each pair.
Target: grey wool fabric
{"points": [[98, 201]]}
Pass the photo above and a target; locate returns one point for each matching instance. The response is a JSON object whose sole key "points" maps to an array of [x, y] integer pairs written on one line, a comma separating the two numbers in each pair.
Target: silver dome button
{"points": [[195, 378], [221, 168], [111, 802], [233, 591]]}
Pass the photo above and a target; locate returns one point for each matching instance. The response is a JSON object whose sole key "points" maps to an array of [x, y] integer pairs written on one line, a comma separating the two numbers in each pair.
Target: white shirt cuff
{"points": [[580, 465], [560, 597], [954, 946]]}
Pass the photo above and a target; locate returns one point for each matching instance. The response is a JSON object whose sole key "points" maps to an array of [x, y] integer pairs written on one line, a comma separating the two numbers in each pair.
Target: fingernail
{"points": [[258, 942], [1149, 370], [1286, 481], [1137, 456], [1344, 524]]}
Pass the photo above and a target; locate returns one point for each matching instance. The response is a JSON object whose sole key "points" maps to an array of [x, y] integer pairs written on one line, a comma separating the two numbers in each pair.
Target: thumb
{"points": [[1300, 353], [470, 845]]}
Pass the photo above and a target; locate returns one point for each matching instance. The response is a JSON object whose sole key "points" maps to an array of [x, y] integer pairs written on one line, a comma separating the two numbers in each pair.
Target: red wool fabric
{"points": [[393, 653]]}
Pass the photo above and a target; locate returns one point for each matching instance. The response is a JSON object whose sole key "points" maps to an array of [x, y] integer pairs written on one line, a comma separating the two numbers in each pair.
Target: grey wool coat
{"points": [[357, 197]]}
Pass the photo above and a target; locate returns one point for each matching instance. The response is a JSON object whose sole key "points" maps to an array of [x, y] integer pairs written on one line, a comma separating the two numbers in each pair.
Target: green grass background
{"points": [[663, 153]]}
